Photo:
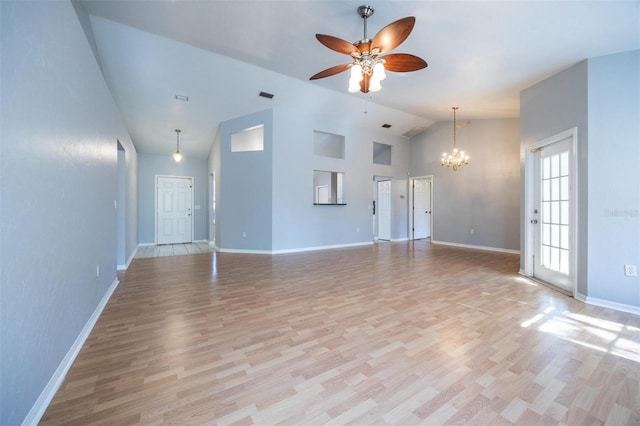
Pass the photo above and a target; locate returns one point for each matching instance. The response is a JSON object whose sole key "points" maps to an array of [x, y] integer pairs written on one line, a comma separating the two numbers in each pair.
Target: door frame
{"points": [[529, 194], [193, 212], [410, 207], [376, 179]]}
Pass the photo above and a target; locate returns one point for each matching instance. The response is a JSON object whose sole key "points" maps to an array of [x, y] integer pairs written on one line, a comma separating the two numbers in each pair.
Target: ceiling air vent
{"points": [[386, 126], [266, 95]]}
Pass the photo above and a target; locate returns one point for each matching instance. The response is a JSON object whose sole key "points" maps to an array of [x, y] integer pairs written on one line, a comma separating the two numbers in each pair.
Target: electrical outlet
{"points": [[358, 229], [244, 234], [630, 271], [97, 271]]}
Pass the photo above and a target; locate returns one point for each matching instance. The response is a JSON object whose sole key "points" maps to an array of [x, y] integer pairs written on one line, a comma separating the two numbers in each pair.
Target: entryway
{"points": [[174, 209]]}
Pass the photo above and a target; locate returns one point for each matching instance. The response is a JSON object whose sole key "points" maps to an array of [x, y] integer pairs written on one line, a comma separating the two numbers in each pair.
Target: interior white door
{"points": [[421, 208], [383, 212], [174, 215], [552, 217]]}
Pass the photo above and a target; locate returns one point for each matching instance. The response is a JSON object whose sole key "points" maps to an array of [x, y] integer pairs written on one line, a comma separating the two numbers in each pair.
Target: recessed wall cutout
{"points": [[328, 145], [381, 154]]}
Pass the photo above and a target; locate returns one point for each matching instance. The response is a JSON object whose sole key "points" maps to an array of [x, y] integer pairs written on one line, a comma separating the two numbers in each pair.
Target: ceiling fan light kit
{"points": [[368, 67]]}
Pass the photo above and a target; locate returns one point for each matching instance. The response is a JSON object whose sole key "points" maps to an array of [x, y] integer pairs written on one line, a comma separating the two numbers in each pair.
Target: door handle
{"points": [[534, 221]]}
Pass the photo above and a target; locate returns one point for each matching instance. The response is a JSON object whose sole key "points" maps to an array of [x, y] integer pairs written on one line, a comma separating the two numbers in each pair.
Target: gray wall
{"points": [[59, 181], [600, 97], [297, 223], [244, 204], [548, 108], [483, 195], [269, 194], [149, 166], [614, 177]]}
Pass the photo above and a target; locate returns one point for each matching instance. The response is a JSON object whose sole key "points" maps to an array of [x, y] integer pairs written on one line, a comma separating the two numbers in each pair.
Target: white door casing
{"points": [[174, 219], [550, 231]]}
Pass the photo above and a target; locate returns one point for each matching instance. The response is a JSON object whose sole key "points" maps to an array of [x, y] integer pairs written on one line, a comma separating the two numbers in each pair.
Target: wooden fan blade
{"points": [[330, 71], [337, 44], [393, 34], [403, 62]]}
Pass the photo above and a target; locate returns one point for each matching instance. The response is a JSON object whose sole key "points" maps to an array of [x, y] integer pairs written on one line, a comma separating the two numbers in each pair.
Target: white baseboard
{"points": [[294, 250], [397, 240], [133, 255], [146, 244], [498, 249], [200, 241], [334, 246], [243, 251], [49, 391], [630, 309]]}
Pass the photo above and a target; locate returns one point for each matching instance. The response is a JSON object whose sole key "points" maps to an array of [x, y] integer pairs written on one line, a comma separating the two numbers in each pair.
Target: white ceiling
{"points": [[481, 54]]}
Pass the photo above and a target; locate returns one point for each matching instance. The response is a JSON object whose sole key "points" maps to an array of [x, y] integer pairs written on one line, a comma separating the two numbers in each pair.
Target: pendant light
{"points": [[176, 155]]}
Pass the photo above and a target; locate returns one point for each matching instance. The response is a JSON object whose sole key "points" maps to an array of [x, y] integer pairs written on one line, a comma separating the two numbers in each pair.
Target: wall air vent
{"points": [[386, 126], [266, 95], [183, 98]]}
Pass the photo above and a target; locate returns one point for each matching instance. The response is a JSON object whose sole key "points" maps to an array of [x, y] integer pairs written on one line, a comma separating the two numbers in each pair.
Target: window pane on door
{"points": [[555, 212]]}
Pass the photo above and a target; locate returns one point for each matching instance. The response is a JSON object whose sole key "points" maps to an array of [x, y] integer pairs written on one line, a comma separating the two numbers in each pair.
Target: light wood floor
{"points": [[173, 249], [399, 333]]}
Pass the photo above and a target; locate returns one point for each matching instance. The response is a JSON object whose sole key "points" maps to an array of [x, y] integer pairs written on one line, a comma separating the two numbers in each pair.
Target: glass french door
{"points": [[554, 230]]}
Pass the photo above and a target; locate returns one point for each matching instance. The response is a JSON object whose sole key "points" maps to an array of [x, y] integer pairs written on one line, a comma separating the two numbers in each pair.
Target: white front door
{"points": [[553, 213], [421, 208], [173, 212], [384, 210]]}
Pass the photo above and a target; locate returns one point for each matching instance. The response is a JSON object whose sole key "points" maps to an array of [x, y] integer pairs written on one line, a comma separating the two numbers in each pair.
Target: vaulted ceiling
{"points": [[221, 54]]}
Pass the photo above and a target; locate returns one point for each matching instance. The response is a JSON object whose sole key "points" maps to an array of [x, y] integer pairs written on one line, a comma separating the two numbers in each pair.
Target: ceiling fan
{"points": [[367, 68]]}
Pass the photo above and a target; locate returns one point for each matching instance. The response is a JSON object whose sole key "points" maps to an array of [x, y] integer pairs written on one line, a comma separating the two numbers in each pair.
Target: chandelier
{"points": [[457, 158], [176, 155]]}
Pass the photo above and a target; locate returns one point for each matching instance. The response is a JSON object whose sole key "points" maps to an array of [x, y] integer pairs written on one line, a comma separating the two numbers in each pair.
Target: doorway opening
{"points": [[420, 207], [212, 224], [382, 208], [121, 211], [550, 211]]}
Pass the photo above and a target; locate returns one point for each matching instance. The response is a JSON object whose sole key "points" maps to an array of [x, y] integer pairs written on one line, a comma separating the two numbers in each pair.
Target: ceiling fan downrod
{"points": [[365, 12]]}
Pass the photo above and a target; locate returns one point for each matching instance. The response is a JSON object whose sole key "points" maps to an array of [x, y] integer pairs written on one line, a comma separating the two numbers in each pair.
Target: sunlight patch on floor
{"points": [[601, 335]]}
